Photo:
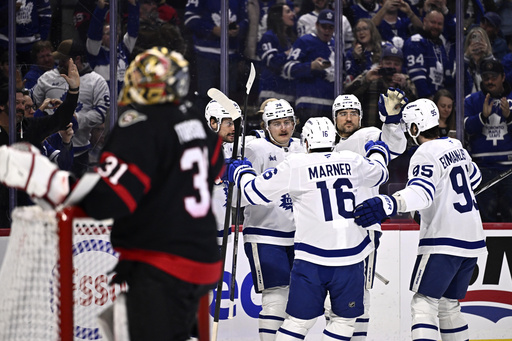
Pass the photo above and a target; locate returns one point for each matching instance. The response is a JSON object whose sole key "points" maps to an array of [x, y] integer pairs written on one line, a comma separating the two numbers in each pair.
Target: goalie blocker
{"points": [[23, 167]]}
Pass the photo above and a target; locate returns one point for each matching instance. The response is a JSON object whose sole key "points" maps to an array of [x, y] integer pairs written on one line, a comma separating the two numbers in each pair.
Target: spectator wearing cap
{"points": [[93, 101], [368, 86], [311, 65], [307, 23], [98, 41], [491, 23], [488, 124]]}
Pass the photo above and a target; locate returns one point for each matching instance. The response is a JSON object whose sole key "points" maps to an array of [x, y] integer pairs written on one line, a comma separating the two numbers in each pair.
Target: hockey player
{"points": [[329, 247], [347, 114], [441, 182], [269, 229], [219, 121], [155, 180]]}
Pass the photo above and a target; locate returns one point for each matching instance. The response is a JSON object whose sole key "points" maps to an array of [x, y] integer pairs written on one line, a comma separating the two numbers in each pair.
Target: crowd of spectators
{"points": [[407, 44]]}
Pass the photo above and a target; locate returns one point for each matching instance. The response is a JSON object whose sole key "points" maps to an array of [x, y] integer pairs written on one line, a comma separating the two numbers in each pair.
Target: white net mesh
{"points": [[93, 259], [28, 280], [29, 290]]}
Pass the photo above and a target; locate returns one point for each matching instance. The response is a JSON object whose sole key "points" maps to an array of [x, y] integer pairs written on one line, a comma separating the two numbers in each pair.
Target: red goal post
{"points": [[55, 277]]}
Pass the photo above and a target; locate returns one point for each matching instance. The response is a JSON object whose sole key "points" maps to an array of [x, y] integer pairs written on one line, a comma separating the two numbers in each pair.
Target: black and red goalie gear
{"points": [[157, 173]]}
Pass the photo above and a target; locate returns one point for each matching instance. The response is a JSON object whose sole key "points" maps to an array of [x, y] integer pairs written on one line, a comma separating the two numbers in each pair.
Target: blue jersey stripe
{"points": [[333, 253], [452, 242]]}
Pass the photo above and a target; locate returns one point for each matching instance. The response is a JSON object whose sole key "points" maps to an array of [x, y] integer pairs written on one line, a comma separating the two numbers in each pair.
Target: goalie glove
{"points": [[23, 167], [391, 105], [375, 210], [237, 168], [378, 147]]}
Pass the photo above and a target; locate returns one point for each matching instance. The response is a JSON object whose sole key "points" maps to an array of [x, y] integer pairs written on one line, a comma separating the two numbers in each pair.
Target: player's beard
{"points": [[346, 131]]}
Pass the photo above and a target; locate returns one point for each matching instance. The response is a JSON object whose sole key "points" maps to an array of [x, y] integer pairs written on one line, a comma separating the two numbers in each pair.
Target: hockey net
{"points": [[54, 280], [55, 276]]}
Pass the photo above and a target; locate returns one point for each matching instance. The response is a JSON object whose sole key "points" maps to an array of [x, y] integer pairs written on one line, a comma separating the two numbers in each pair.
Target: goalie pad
{"points": [[23, 167], [391, 104], [375, 210]]}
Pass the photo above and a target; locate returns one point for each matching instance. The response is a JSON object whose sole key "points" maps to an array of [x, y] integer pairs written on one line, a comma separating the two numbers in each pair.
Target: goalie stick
{"points": [[235, 115], [248, 86]]}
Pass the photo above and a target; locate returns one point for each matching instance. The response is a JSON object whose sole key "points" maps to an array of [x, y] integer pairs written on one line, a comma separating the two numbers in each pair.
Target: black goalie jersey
{"points": [[157, 171]]}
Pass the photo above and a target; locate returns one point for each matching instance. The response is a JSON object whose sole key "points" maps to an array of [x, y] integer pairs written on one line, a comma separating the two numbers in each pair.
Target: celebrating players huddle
{"points": [[337, 213], [312, 218]]}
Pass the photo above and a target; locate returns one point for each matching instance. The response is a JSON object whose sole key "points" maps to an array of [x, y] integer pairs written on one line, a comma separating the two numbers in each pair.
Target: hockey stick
{"points": [[493, 181], [235, 115], [248, 86], [381, 278]]}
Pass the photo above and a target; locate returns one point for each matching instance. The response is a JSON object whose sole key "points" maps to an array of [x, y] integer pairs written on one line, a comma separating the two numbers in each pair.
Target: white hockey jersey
{"points": [[441, 182], [220, 192], [219, 196], [93, 101], [322, 187], [391, 134], [272, 223]]}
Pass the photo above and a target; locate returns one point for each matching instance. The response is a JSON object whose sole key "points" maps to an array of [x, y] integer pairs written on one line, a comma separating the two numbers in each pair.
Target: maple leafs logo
{"points": [[286, 202]]}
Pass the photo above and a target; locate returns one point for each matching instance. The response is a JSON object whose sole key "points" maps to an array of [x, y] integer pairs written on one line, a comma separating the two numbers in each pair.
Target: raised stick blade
{"points": [[217, 95], [250, 80]]}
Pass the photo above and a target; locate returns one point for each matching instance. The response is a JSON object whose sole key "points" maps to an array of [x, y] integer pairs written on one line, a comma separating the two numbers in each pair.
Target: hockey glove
{"points": [[22, 166], [378, 147], [374, 210], [227, 162], [237, 168], [391, 104]]}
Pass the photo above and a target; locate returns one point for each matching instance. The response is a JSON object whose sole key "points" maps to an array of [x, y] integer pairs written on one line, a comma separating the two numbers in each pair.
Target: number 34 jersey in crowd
{"points": [[323, 187], [440, 186]]}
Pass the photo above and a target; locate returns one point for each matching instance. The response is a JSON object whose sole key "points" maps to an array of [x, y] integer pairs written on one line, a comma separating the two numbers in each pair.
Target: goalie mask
{"points": [[344, 102], [319, 133], [423, 113], [157, 75], [216, 111]]}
